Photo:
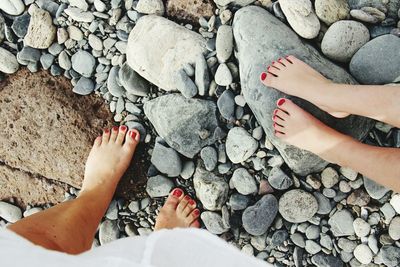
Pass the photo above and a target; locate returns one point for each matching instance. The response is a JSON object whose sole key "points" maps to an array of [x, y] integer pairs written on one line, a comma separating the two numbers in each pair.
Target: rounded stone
{"points": [[12, 7], [394, 228], [159, 186], [297, 206], [151, 7], [224, 43], [8, 62], [83, 63], [244, 182], [361, 227], [363, 254], [330, 11], [240, 145], [9, 212], [343, 39]]}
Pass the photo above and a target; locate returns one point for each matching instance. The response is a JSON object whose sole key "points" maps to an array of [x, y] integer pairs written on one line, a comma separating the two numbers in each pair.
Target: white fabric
{"points": [[167, 248]]}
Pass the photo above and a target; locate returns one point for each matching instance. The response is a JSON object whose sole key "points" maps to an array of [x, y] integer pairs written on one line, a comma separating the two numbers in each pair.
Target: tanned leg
{"points": [[299, 128], [294, 77], [71, 226]]}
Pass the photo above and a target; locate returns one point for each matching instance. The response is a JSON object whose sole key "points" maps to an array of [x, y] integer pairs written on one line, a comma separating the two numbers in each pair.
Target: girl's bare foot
{"points": [[109, 158], [179, 211], [294, 77], [299, 128]]}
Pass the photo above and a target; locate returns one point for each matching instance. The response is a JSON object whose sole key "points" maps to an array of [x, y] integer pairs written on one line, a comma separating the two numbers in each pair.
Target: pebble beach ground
{"points": [[186, 75]]}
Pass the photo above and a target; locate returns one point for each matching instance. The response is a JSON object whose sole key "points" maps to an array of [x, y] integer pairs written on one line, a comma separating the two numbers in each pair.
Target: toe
{"points": [[280, 135], [121, 134], [286, 105], [278, 120], [114, 133], [273, 70], [182, 205], [97, 141], [174, 198], [195, 224], [281, 63], [132, 138], [189, 208], [266, 79], [276, 65], [106, 136], [279, 128], [292, 59], [281, 114], [193, 216]]}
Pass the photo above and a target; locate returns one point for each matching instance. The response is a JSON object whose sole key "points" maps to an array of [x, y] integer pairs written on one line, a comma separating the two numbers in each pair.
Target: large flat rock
{"points": [[260, 39], [47, 130]]}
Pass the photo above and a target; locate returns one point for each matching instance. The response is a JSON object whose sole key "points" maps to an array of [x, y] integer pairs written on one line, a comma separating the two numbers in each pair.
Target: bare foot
{"points": [[109, 158], [299, 128], [294, 77], [179, 211]]}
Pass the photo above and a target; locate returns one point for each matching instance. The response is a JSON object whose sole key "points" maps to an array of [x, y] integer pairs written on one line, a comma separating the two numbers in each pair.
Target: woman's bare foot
{"points": [[179, 211], [294, 77], [299, 128], [109, 158]]}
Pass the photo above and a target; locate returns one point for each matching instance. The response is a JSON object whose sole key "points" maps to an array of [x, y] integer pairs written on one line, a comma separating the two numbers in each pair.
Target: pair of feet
{"points": [[292, 124], [108, 160]]}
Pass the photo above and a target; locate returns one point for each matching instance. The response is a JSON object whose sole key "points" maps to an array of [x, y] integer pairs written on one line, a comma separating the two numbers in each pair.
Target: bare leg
{"points": [[297, 127], [70, 227], [294, 77]]}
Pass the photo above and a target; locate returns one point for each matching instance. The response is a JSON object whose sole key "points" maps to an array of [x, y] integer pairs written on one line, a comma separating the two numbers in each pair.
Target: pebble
{"points": [[151, 7], [12, 7], [363, 16], [375, 190], [301, 17], [347, 245], [226, 105], [223, 76], [238, 201], [348, 173], [10, 212], [210, 189], [166, 160], [81, 4], [329, 177], [388, 212], [330, 11], [312, 247], [297, 206], [75, 33], [159, 186], [83, 63], [298, 240], [361, 227], [240, 145], [224, 43], [363, 254], [323, 260], [8, 62], [278, 238], [312, 232], [41, 31], [108, 231], [394, 228], [134, 206], [279, 180], [214, 222], [28, 54], [358, 198], [79, 15], [324, 204], [112, 83], [314, 182], [341, 223], [389, 256], [32, 211], [258, 218], [47, 60], [84, 86], [62, 35], [64, 61], [20, 25], [244, 182], [99, 6], [343, 39], [395, 202], [187, 170], [112, 212], [210, 157]]}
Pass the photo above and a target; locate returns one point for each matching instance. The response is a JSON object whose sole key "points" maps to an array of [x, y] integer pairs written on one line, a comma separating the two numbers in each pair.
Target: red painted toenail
{"points": [[191, 202], [187, 198], [274, 117], [281, 101], [177, 192], [263, 76], [123, 128], [115, 128], [275, 111], [106, 131], [132, 134], [196, 212], [279, 59]]}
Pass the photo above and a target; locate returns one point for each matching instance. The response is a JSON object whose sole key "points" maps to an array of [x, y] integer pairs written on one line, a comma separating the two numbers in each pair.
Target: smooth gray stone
{"points": [[210, 158], [83, 63], [226, 105], [202, 76], [279, 180], [389, 256], [378, 61], [243, 182], [159, 186], [84, 86], [29, 54], [238, 202], [323, 260], [376, 191], [324, 204], [112, 84], [166, 160], [47, 60], [185, 85], [133, 82], [108, 231], [21, 24], [261, 38], [258, 218], [278, 238], [10, 212], [187, 125], [214, 222], [341, 223]]}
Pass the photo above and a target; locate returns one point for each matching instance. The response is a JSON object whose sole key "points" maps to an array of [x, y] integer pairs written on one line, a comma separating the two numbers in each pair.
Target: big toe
{"points": [[132, 139], [173, 199]]}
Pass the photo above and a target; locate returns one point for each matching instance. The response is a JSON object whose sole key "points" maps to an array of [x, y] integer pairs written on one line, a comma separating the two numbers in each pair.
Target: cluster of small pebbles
{"points": [[203, 136]]}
